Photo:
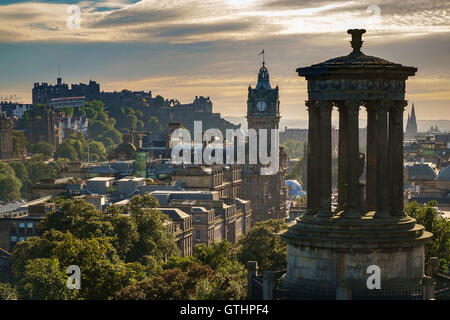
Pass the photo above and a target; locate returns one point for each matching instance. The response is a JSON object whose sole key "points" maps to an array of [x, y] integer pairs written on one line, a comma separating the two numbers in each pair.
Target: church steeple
{"points": [[411, 125], [413, 114]]}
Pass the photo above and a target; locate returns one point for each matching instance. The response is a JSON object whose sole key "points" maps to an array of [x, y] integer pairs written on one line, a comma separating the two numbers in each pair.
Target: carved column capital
{"points": [[353, 106], [325, 107], [310, 104]]}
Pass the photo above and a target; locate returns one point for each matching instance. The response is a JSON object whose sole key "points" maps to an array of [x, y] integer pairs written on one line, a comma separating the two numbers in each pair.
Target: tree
{"points": [[68, 111], [439, 246], [296, 171], [155, 241], [43, 279], [97, 149], [10, 188], [79, 218], [9, 184], [66, 150], [102, 272], [44, 148], [263, 244], [196, 282], [38, 170], [7, 292], [293, 148], [6, 170], [20, 142], [20, 171]]}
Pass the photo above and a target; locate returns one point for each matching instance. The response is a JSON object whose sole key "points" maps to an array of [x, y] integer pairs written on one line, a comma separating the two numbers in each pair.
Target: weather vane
{"points": [[262, 53]]}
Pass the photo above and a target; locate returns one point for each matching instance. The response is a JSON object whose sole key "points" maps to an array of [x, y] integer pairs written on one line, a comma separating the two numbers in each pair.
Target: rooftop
{"points": [[101, 179]]}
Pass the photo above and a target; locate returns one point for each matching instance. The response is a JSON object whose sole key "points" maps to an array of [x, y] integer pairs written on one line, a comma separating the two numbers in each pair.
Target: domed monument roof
{"points": [[444, 174], [355, 60]]}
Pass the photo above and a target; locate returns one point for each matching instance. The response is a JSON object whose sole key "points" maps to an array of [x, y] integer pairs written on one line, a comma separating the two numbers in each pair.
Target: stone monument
{"points": [[332, 253]]}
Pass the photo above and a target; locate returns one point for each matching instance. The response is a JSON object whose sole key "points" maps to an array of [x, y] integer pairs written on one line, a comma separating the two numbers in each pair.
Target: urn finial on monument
{"points": [[356, 38]]}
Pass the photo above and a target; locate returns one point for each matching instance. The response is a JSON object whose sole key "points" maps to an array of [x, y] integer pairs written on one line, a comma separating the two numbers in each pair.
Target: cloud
{"points": [[210, 20]]}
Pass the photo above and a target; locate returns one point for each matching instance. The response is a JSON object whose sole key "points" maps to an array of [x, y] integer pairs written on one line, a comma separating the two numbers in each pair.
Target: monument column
{"points": [[371, 169], [313, 158], [325, 159], [342, 160], [396, 145], [353, 168], [382, 161]]}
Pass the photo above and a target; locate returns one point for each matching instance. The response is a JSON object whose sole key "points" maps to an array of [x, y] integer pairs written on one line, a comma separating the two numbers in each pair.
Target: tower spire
{"points": [[413, 113], [263, 61]]}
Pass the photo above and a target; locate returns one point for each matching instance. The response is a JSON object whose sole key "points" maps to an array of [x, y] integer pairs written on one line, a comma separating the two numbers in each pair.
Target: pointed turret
{"points": [[263, 78]]}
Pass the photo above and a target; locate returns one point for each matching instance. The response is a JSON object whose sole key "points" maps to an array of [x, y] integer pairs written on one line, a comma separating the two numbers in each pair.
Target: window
{"points": [[30, 228], [13, 239], [197, 235], [197, 218], [21, 227], [13, 227]]}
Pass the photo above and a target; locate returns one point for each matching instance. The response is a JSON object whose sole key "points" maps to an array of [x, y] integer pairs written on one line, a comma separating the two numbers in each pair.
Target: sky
{"points": [[186, 48]]}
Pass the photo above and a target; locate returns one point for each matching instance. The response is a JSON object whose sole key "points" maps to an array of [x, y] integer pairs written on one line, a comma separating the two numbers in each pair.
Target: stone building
{"points": [[217, 220], [226, 179], [48, 127], [43, 93], [331, 252], [295, 134], [181, 227], [6, 133], [267, 193], [17, 227]]}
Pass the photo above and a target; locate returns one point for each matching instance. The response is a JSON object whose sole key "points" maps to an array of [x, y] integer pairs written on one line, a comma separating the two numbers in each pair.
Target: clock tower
{"points": [[263, 104], [267, 193]]}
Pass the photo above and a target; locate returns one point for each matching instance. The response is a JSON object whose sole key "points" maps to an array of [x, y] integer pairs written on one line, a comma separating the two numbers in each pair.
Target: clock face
{"points": [[261, 106]]}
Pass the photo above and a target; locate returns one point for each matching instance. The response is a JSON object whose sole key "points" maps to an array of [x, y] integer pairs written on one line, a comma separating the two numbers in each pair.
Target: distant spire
{"points": [[413, 113]]}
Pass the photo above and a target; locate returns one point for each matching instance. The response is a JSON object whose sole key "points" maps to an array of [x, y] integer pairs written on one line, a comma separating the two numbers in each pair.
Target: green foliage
{"points": [[43, 279], [140, 236], [76, 148], [19, 142], [38, 170], [44, 148], [10, 188], [263, 244], [7, 292], [66, 150], [68, 111], [195, 283], [293, 148], [219, 256], [439, 246], [9, 184], [79, 218], [6, 170], [39, 267], [20, 171], [101, 125], [296, 171], [154, 239]]}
